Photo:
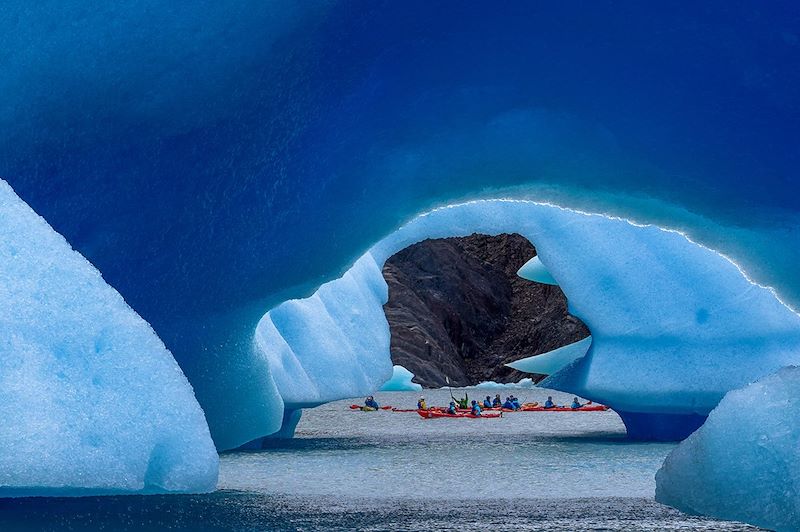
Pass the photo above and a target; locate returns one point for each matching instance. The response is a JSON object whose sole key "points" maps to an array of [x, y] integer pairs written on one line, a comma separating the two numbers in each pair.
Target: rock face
{"points": [[457, 308]]}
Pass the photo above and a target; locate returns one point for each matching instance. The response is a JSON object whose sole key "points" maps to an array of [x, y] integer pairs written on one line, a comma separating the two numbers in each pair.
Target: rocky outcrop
{"points": [[457, 308]]}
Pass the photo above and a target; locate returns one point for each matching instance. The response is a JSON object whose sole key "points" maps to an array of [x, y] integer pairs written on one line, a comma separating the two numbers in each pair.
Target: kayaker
{"points": [[452, 408], [508, 405], [421, 405], [372, 403], [497, 403], [515, 403], [476, 409], [549, 403], [575, 404], [487, 403]]}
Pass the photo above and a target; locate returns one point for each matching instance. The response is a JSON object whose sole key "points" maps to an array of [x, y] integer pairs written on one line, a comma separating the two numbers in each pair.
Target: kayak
{"points": [[585, 408], [367, 408], [430, 414]]}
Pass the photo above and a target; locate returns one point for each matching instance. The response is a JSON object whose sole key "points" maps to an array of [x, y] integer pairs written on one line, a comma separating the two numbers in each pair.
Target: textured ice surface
{"points": [[209, 182], [332, 345], [91, 401], [400, 381], [743, 463], [555, 360], [534, 270]]}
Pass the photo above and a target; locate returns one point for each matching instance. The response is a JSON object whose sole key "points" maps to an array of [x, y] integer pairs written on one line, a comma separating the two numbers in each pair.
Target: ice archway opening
{"points": [[675, 325]]}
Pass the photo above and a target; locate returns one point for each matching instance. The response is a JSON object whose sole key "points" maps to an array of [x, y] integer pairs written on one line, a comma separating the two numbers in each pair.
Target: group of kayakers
{"points": [[511, 403], [550, 404]]}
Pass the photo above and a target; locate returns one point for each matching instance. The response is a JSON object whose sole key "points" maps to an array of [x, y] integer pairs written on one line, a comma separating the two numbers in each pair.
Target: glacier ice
{"points": [[332, 345], [210, 183], [555, 360], [400, 381], [534, 270], [91, 400], [674, 325], [743, 463]]}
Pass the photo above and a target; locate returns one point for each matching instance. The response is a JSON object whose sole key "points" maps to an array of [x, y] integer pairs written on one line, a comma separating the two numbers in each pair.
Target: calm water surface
{"points": [[396, 471]]}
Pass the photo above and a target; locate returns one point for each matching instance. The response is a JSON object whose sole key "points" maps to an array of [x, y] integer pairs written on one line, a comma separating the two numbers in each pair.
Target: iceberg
{"points": [[400, 381], [555, 360], [212, 183], [91, 400], [742, 464]]}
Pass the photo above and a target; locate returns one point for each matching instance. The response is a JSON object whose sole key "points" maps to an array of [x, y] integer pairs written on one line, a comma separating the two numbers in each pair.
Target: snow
{"points": [[91, 400], [400, 381], [743, 464], [555, 360]]}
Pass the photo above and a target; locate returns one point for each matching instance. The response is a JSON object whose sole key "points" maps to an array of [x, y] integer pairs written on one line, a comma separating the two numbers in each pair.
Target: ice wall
{"points": [[91, 400], [743, 463], [222, 159]]}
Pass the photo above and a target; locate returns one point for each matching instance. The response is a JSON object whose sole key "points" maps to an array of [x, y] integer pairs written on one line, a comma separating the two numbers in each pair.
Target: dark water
{"points": [[352, 470], [230, 510]]}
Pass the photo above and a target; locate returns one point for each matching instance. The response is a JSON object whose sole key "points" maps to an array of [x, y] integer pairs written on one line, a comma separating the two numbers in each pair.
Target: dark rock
{"points": [[457, 308]]}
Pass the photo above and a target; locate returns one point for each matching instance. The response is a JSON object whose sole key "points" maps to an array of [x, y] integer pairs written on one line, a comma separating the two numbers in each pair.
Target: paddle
{"points": [[447, 380]]}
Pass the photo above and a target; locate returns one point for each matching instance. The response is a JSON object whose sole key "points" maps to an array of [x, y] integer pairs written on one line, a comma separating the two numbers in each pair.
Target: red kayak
{"points": [[361, 407], [584, 408], [430, 414]]}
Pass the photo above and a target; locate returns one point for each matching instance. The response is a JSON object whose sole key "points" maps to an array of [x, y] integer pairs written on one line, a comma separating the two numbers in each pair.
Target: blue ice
{"points": [[400, 381], [674, 325], [555, 360], [534, 270], [91, 400], [743, 463]]}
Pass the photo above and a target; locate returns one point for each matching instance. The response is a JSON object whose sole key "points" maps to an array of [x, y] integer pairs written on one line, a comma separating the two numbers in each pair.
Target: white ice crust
{"points": [[91, 400]]}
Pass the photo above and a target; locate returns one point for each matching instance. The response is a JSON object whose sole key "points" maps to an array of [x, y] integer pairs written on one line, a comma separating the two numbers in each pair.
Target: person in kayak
{"points": [[452, 408], [371, 403], [421, 404], [487, 403], [508, 405], [549, 403], [476, 409], [575, 404], [497, 403], [515, 403]]}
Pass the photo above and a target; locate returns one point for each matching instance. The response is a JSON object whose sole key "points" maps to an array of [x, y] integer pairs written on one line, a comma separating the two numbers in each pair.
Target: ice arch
{"points": [[675, 325]]}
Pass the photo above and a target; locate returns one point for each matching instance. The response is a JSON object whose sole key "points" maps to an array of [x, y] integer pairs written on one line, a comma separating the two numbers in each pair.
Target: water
{"points": [[396, 471]]}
